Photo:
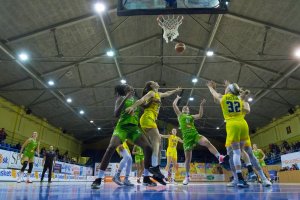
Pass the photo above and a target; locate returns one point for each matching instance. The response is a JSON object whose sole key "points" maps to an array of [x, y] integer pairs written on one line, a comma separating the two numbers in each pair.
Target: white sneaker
{"points": [[232, 184], [266, 183], [186, 180], [19, 180], [29, 180]]}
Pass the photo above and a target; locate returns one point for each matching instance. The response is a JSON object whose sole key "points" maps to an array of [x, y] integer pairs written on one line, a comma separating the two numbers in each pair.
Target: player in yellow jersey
{"points": [[151, 100], [234, 110], [172, 152], [124, 152]]}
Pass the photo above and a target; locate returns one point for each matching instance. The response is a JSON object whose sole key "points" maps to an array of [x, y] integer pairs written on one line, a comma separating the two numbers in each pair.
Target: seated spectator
{"points": [[2, 135], [294, 167], [18, 146]]}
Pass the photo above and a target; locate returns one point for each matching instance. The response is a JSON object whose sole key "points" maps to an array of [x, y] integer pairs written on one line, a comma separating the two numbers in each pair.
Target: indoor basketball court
{"points": [[149, 99]]}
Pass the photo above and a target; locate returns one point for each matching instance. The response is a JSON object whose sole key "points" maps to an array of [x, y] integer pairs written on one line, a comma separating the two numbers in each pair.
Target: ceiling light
{"points": [[99, 128], [123, 81], [191, 99], [209, 53], [194, 80], [81, 112], [23, 56], [250, 99], [69, 100], [297, 53], [91, 121], [110, 53], [99, 7], [51, 83], [218, 128]]}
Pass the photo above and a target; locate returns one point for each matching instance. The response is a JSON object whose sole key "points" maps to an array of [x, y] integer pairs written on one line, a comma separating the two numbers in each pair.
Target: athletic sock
{"points": [[250, 168], [101, 174], [262, 175]]}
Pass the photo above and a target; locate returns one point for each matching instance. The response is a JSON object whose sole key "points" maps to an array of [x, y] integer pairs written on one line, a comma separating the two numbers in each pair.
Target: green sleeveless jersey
{"points": [[258, 154], [186, 123], [31, 147], [139, 151], [126, 118]]}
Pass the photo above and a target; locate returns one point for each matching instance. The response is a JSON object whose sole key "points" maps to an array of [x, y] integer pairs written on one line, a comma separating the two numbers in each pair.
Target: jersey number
{"points": [[234, 106]]}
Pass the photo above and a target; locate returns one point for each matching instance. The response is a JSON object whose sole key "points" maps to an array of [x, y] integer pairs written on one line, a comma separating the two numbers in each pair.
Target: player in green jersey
{"points": [[139, 161], [30, 147], [127, 128], [190, 135]]}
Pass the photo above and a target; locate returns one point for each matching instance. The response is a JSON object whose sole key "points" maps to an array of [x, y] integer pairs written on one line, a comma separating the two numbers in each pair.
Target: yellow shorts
{"points": [[148, 120], [172, 152], [237, 132]]}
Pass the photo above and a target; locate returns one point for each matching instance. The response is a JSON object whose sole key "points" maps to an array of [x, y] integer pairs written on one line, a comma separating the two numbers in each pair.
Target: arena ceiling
{"points": [[67, 43]]}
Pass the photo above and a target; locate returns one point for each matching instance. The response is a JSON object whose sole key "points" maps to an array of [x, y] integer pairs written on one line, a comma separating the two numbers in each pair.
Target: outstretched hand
{"points": [[203, 101], [211, 84], [178, 97], [178, 89], [130, 110]]}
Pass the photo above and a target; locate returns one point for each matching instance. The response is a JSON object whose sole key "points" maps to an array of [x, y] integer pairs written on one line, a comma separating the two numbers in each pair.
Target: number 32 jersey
{"points": [[232, 107]]}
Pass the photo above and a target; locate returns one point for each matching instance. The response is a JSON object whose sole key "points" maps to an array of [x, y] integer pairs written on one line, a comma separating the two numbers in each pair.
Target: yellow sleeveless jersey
{"points": [[172, 141], [154, 105], [125, 146], [232, 107]]}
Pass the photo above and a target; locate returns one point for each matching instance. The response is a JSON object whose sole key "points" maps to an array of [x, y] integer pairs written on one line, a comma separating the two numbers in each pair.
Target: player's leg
{"points": [[203, 141], [188, 159]]}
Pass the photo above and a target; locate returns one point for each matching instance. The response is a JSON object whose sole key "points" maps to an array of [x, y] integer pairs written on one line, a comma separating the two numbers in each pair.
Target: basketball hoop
{"points": [[170, 26]]}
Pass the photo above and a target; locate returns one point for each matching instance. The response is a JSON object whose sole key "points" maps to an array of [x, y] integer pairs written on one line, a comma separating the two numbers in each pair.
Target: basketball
{"points": [[180, 47]]}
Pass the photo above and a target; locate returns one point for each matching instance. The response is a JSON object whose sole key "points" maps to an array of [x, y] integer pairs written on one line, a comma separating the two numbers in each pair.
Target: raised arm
{"points": [[200, 114], [120, 103], [139, 102], [169, 93], [175, 107], [215, 94]]}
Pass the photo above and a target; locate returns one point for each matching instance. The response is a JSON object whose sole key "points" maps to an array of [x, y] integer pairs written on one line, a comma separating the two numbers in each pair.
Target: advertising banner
{"points": [[4, 158], [290, 159]]}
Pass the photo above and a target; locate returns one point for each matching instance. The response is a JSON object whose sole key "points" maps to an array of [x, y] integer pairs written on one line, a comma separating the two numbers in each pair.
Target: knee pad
{"points": [[24, 166], [30, 168]]}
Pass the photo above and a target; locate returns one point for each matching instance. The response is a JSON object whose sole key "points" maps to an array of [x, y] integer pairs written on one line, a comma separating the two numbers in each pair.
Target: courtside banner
{"points": [[14, 161], [38, 164], [4, 158], [290, 159]]}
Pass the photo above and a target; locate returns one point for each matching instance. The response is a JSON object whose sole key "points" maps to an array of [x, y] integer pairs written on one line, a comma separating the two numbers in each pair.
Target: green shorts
{"points": [[262, 163], [138, 158], [27, 156], [131, 132], [190, 140]]}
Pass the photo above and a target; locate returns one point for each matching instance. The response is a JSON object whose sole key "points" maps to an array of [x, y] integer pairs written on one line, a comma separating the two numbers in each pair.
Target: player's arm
{"points": [[38, 149], [164, 136], [200, 114], [246, 107], [120, 103], [169, 93], [175, 107], [215, 94], [139, 102], [44, 158], [24, 145], [264, 155], [134, 152], [180, 140]]}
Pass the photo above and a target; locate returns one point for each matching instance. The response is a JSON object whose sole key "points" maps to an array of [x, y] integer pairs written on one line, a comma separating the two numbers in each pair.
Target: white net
{"points": [[170, 26]]}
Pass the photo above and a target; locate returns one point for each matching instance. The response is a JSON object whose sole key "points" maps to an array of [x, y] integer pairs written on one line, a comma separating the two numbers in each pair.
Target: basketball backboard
{"points": [[165, 7]]}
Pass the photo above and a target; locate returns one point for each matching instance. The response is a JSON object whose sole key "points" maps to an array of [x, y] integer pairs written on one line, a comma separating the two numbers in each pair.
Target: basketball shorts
{"points": [[190, 140], [129, 131], [172, 152], [237, 132], [148, 120]]}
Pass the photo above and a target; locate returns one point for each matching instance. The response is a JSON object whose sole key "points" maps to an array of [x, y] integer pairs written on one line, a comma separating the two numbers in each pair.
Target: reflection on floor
{"points": [[64, 191]]}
